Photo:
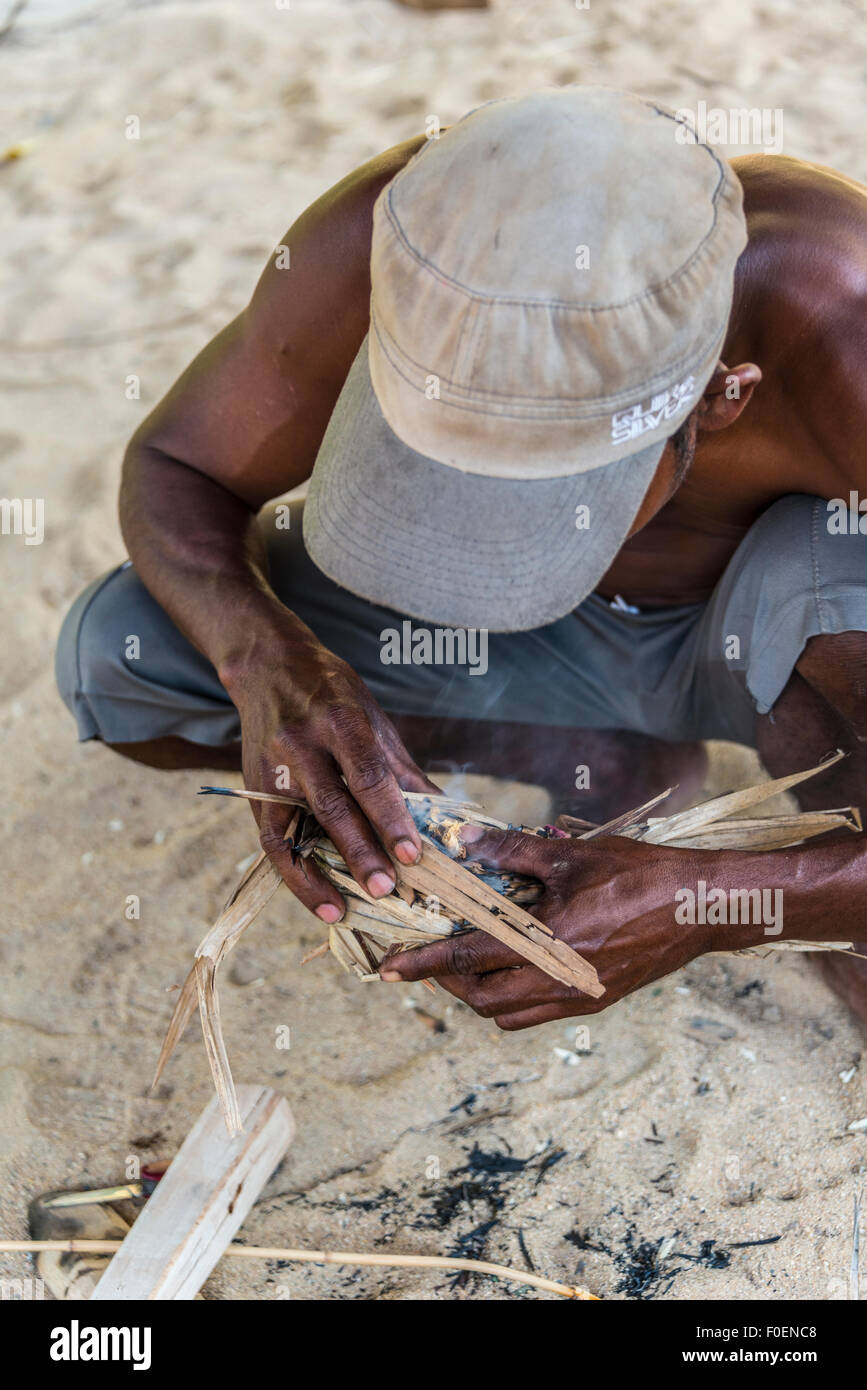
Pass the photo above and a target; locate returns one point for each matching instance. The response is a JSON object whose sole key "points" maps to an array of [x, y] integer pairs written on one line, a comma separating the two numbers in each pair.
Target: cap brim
{"points": [[459, 549]]}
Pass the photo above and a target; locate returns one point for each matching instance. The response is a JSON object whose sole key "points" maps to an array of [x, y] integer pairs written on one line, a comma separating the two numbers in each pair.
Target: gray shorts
{"points": [[699, 671]]}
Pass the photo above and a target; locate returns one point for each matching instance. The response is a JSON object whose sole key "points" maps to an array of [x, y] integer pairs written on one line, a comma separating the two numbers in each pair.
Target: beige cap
{"points": [[551, 284]]}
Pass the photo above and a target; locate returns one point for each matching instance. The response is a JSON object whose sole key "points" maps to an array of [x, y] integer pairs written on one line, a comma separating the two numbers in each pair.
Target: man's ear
{"points": [[726, 394]]}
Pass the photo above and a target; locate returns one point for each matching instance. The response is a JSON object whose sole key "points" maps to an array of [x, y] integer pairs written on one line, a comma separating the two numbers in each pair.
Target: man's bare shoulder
{"points": [[801, 307], [806, 219], [356, 193], [329, 247], [250, 411]]}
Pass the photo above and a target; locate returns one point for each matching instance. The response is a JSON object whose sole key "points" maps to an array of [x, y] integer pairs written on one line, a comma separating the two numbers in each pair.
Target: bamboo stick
{"points": [[329, 1257]]}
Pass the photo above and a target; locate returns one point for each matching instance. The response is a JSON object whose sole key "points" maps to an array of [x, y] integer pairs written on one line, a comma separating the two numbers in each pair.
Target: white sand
{"points": [[125, 257]]}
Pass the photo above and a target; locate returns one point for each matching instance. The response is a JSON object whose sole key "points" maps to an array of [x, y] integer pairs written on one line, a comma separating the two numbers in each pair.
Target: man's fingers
{"points": [[345, 824], [409, 775], [371, 779], [512, 851], [301, 876], [504, 992], [530, 1018], [511, 991], [457, 985], [467, 953], [411, 779], [466, 988]]}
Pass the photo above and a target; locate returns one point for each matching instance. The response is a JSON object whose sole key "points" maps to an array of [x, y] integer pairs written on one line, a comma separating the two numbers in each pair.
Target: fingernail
{"points": [[469, 833], [328, 912], [391, 976], [379, 884], [406, 851]]}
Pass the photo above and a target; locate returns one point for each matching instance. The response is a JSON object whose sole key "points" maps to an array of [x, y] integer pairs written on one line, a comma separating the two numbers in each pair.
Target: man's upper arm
{"points": [[250, 411], [825, 341]]}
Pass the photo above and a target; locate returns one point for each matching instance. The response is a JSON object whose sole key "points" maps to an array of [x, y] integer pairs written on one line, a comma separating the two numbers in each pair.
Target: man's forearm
{"points": [[812, 892], [199, 551]]}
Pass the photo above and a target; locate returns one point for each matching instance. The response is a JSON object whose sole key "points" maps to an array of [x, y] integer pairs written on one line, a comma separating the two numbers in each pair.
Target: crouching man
{"points": [[589, 394]]}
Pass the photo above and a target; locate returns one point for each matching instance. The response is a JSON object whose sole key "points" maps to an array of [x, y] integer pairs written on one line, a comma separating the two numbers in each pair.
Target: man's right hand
{"points": [[306, 710]]}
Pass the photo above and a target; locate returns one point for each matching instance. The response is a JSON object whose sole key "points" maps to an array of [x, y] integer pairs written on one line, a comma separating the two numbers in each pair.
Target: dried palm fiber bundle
{"points": [[440, 895]]}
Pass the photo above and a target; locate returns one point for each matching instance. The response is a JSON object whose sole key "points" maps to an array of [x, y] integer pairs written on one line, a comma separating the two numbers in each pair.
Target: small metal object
{"points": [[150, 1176]]}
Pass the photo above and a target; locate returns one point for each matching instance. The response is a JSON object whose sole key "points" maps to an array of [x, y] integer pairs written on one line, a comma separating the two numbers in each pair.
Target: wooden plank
{"points": [[204, 1197]]}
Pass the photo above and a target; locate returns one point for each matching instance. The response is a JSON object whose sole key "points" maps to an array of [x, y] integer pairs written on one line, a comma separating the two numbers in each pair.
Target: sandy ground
{"points": [[705, 1113]]}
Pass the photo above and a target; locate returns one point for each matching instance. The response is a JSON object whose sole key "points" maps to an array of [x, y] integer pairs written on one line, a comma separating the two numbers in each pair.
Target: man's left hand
{"points": [[611, 899]]}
